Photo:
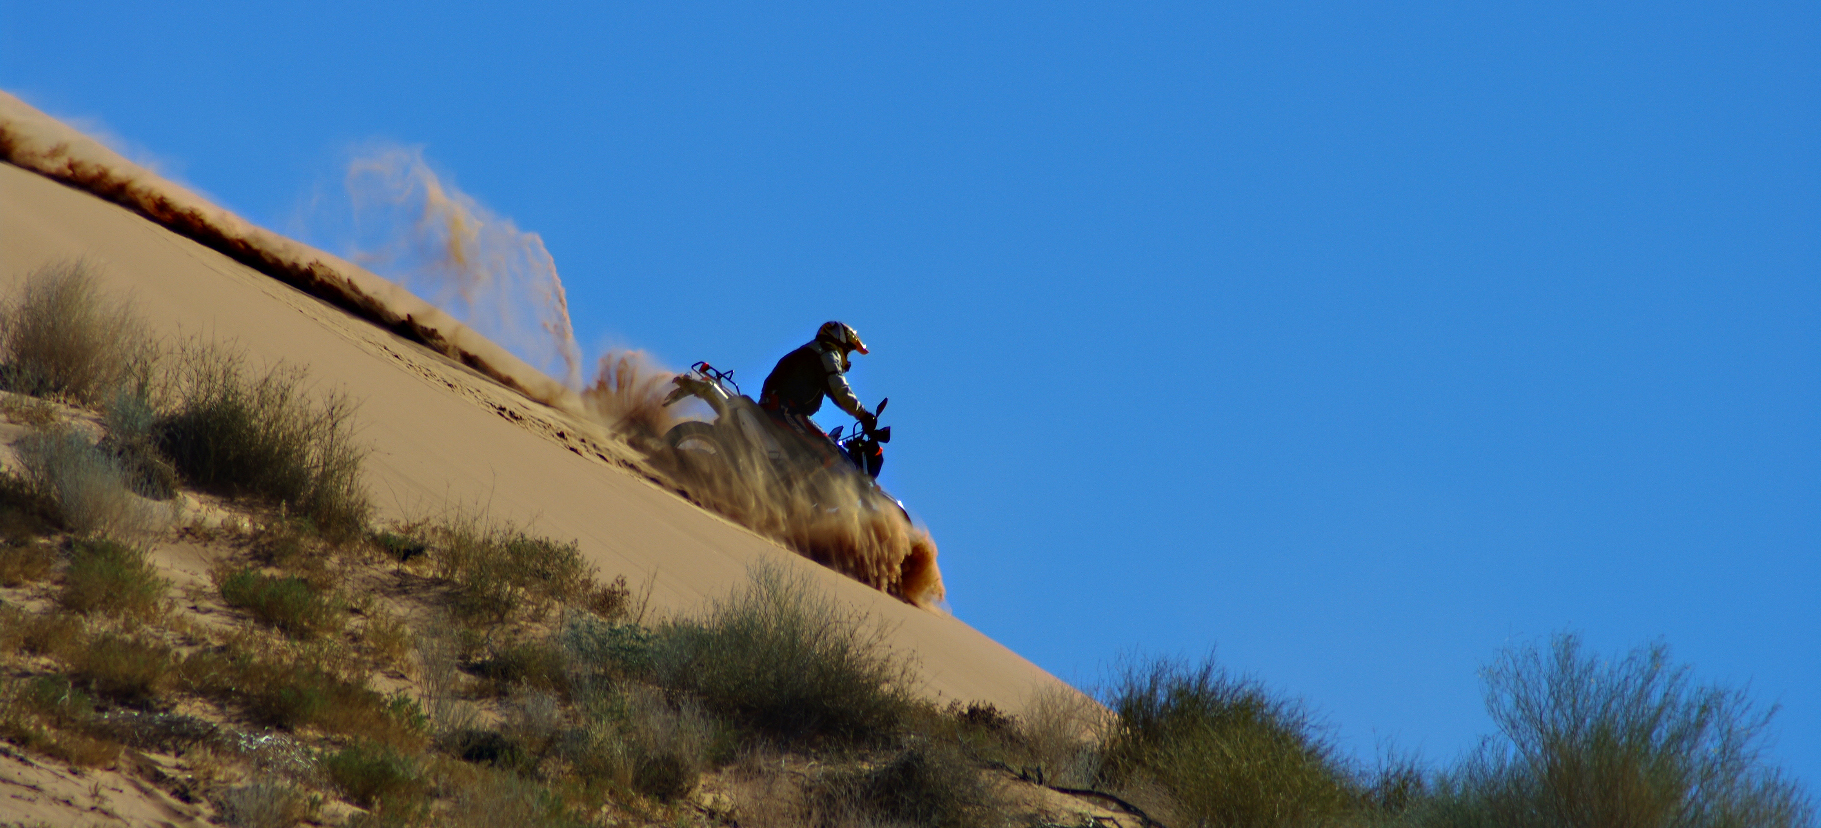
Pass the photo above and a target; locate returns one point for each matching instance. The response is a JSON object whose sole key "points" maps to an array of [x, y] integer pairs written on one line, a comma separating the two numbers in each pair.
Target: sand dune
{"points": [[454, 420]]}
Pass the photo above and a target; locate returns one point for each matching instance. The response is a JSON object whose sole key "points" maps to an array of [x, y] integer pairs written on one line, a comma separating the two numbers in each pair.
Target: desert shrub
{"points": [[87, 487], [785, 659], [61, 337], [503, 798], [123, 667], [497, 570], [374, 775], [288, 603], [27, 410], [265, 803], [1225, 751], [1056, 738], [926, 784], [25, 512], [25, 563], [1628, 741], [50, 715], [262, 435], [536, 664], [111, 577], [637, 740], [130, 420], [288, 688]]}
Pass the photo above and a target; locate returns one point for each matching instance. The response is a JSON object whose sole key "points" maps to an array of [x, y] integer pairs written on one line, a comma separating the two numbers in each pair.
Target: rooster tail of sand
{"points": [[869, 539]]}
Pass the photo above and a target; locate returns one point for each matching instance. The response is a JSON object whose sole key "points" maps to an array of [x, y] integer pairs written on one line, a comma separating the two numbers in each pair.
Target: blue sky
{"points": [[1354, 341]]}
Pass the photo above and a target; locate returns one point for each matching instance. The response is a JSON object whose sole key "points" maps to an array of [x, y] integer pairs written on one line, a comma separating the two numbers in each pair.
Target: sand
{"points": [[454, 422]]}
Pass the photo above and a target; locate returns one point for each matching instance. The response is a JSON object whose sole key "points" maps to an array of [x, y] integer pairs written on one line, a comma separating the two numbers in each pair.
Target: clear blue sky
{"points": [[1356, 341]]}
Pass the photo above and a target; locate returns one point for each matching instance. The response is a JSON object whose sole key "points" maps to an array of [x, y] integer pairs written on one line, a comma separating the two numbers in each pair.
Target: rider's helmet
{"points": [[842, 336]]}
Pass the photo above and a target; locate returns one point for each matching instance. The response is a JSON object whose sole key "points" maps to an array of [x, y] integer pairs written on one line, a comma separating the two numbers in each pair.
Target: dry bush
{"points": [[637, 740], [265, 803], [113, 578], [1058, 740], [1628, 741], [244, 433], [127, 668], [88, 487], [25, 563], [442, 682], [1225, 751], [61, 337], [388, 637], [788, 660], [289, 688], [926, 784], [28, 410], [502, 798], [288, 602], [49, 715], [497, 571]]}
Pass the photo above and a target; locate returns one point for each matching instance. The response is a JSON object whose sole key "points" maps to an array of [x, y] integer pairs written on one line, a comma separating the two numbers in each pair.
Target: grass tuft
{"points": [[497, 571], [112, 578]]}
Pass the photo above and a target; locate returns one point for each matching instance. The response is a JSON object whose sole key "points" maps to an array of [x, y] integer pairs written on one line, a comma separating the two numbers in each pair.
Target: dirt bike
{"points": [[744, 440]]}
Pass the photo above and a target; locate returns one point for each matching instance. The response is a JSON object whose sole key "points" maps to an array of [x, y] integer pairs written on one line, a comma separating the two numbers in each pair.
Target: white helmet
{"points": [[842, 335]]}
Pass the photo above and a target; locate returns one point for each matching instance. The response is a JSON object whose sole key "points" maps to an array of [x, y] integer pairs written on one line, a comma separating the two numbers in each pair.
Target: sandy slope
{"points": [[446, 435]]}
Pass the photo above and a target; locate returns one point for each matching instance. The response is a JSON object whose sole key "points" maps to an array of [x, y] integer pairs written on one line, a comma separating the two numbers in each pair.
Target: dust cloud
{"points": [[401, 220]]}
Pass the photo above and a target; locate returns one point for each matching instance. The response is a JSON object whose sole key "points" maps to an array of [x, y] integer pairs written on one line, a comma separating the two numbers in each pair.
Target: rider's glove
{"points": [[868, 420]]}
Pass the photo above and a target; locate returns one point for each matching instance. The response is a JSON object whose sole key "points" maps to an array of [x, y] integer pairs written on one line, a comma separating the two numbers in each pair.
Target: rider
{"points": [[795, 388]]}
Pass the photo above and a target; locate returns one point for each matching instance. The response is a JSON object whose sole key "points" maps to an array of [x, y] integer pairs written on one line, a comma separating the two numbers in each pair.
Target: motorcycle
{"points": [[745, 440]]}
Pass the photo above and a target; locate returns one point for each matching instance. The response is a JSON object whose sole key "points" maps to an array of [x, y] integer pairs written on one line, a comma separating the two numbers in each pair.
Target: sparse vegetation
{"points": [[541, 696], [1224, 750], [785, 659], [286, 602], [262, 435], [497, 570], [111, 577]]}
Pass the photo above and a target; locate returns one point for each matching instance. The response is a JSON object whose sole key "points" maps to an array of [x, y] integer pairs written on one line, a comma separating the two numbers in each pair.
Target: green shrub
{"points": [[1225, 751], [926, 784], [288, 603], [113, 578], [123, 667], [373, 775], [497, 570], [785, 659], [289, 689], [1630, 741], [262, 436], [60, 337]]}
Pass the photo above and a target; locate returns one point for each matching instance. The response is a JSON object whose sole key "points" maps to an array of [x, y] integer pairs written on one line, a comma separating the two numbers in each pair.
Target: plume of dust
{"points": [[441, 244]]}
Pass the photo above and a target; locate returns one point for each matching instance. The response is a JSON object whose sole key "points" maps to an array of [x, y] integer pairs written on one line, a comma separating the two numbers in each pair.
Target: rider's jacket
{"points": [[804, 375]]}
